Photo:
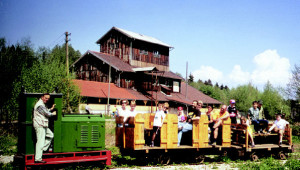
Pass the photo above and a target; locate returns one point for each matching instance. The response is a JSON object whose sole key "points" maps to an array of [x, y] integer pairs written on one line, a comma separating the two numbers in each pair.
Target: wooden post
{"points": [[247, 139], [67, 70], [226, 133], [139, 139]]}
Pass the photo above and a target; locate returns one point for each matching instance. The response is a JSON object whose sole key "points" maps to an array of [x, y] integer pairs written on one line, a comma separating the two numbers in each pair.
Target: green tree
{"points": [[59, 53], [244, 96], [293, 87], [39, 71], [191, 78], [14, 59], [49, 73], [45, 77], [273, 102]]}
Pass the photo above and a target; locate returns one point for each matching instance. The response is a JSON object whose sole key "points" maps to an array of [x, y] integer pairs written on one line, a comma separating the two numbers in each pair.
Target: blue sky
{"points": [[230, 42]]}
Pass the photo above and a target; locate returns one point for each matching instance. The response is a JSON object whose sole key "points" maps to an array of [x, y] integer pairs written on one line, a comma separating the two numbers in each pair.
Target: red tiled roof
{"points": [[179, 98], [168, 74], [100, 90], [114, 61], [194, 94], [137, 94]]}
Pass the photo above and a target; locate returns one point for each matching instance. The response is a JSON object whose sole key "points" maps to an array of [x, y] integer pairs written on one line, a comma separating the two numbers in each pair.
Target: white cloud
{"points": [[239, 77], [208, 72], [271, 67], [268, 66]]}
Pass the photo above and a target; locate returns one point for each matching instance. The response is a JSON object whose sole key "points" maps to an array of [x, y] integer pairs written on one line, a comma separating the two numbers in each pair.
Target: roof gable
{"points": [[137, 36], [114, 61]]}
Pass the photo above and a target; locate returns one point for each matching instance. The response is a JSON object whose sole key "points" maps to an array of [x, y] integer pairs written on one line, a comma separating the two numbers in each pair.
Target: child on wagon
{"points": [[247, 123], [279, 127], [158, 121]]}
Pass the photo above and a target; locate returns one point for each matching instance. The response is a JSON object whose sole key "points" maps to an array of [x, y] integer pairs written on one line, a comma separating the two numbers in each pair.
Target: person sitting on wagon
{"points": [[166, 107], [181, 118], [219, 118], [262, 116], [211, 123], [132, 111], [253, 112], [233, 112], [158, 122], [195, 114], [279, 127], [123, 111], [247, 123]]}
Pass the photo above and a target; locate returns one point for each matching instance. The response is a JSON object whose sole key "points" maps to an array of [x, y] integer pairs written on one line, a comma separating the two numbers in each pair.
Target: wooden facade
{"points": [[92, 69], [135, 52]]}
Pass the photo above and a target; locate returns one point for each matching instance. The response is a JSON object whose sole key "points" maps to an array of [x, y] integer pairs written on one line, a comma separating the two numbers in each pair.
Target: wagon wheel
{"points": [[164, 159], [142, 159], [281, 155], [200, 158], [225, 153], [292, 149], [254, 157]]}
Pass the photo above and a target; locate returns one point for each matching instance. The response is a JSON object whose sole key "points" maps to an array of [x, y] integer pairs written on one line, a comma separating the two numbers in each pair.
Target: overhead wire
{"points": [[56, 41]]}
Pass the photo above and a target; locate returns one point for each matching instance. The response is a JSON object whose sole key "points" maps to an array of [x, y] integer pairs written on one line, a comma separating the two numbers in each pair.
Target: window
{"points": [[143, 51], [156, 54]]}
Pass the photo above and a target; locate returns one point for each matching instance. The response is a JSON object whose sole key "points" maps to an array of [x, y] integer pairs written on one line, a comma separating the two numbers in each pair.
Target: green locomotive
{"points": [[77, 137]]}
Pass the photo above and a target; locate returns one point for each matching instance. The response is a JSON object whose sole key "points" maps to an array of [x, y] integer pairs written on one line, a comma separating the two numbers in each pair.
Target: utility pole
{"points": [[67, 69], [67, 52], [186, 80], [109, 79]]}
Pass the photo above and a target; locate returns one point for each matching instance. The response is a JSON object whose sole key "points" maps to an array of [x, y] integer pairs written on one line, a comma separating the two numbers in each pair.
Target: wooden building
{"points": [[135, 49], [137, 63]]}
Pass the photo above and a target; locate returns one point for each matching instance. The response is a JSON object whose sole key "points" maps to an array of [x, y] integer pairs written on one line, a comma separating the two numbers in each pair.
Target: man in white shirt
{"points": [[122, 111], [279, 127], [44, 135]]}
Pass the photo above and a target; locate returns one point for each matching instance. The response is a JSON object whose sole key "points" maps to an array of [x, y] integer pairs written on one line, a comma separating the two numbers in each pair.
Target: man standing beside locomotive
{"points": [[44, 135]]}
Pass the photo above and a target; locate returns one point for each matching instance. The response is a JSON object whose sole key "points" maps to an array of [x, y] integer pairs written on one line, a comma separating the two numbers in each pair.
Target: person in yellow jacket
{"points": [[218, 118]]}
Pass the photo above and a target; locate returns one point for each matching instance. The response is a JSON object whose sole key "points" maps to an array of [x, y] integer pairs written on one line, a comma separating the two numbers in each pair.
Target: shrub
{"points": [[296, 128], [8, 144]]}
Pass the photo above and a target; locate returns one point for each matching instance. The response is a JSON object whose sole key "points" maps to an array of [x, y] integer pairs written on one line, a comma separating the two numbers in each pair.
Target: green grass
{"points": [[269, 164], [296, 139]]}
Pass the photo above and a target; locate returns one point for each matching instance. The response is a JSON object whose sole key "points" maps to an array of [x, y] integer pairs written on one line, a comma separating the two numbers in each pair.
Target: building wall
{"points": [[142, 54]]}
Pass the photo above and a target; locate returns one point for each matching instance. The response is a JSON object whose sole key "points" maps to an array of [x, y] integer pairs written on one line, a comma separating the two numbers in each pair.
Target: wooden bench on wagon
{"points": [[131, 133], [261, 140], [168, 133]]}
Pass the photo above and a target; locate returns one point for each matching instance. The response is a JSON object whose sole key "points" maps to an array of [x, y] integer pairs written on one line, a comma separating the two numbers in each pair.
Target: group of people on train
{"points": [[254, 116]]}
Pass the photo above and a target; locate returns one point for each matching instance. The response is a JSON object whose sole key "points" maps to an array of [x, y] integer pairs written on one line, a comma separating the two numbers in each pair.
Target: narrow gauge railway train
{"points": [[81, 138], [77, 137], [133, 138]]}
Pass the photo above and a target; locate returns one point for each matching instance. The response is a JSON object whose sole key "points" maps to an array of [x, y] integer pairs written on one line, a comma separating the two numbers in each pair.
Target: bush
{"points": [[8, 144], [296, 128]]}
